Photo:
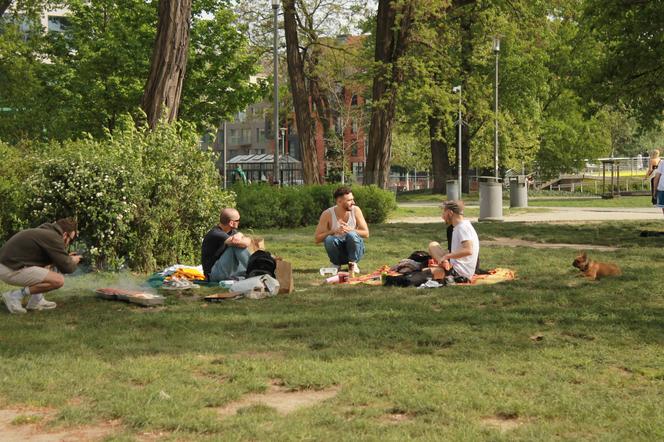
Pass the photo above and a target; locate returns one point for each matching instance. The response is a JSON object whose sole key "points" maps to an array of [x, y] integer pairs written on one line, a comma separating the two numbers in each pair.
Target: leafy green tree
{"points": [[22, 45], [100, 64], [220, 68], [82, 80], [631, 67]]}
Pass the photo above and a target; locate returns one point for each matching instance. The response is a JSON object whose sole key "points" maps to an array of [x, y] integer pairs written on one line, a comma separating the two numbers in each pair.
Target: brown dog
{"points": [[594, 269]]}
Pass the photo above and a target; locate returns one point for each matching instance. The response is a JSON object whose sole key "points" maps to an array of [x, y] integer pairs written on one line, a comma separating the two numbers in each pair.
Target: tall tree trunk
{"points": [[319, 95], [393, 26], [439, 155], [169, 61], [304, 118], [4, 4]]}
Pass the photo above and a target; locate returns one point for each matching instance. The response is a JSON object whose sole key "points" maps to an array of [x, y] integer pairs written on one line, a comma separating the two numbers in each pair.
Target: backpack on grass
{"points": [[261, 263]]}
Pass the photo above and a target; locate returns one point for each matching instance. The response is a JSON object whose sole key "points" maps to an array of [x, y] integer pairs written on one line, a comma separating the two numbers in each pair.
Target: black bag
{"points": [[421, 257], [261, 263], [414, 279]]}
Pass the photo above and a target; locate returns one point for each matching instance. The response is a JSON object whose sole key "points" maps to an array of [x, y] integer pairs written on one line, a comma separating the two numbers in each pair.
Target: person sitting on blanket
{"points": [[224, 252], [342, 229], [461, 260]]}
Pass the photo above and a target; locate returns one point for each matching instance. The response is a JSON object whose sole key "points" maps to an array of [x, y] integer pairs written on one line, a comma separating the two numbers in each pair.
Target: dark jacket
{"points": [[39, 247]]}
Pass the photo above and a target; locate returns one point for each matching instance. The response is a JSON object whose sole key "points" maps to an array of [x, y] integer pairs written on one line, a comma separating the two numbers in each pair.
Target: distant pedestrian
{"points": [[653, 162], [658, 185]]}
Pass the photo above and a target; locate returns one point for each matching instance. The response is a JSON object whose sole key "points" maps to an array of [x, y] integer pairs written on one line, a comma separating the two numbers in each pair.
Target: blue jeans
{"points": [[341, 250], [231, 264]]}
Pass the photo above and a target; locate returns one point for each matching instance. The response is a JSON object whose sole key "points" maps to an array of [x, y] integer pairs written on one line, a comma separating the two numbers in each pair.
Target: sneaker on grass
{"points": [[37, 302], [353, 268], [13, 301]]}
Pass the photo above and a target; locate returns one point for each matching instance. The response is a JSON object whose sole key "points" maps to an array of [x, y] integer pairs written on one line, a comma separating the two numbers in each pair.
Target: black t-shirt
{"points": [[213, 246]]}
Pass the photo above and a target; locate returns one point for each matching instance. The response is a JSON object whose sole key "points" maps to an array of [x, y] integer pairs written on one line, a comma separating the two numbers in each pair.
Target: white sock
{"points": [[16, 294], [25, 291], [35, 299]]}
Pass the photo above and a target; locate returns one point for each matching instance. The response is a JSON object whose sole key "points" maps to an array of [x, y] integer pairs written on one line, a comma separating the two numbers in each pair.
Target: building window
{"points": [[353, 100], [260, 135], [246, 136], [353, 149], [358, 168], [57, 23], [354, 126], [234, 136], [337, 126]]}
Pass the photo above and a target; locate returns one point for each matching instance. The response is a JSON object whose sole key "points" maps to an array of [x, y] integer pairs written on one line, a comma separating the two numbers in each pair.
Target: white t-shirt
{"points": [[660, 171], [464, 231]]}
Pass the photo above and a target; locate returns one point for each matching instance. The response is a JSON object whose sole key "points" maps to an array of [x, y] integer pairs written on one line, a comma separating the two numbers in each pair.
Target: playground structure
{"points": [[608, 177]]}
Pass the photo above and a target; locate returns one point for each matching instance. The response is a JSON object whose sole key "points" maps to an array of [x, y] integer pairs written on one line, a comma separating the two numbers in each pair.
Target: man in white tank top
{"points": [[342, 228]]}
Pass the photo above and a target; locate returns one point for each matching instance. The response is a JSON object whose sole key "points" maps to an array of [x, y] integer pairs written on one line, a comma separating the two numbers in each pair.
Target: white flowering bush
{"points": [[143, 199]]}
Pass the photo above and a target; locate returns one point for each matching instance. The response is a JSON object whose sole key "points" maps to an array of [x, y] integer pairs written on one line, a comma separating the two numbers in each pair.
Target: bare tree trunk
{"points": [[392, 31], [439, 155], [304, 118], [169, 61], [4, 4]]}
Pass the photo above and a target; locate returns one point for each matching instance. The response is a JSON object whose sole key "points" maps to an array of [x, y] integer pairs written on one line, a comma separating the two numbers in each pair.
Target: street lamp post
{"points": [[275, 9], [491, 190], [456, 89], [225, 157], [496, 50]]}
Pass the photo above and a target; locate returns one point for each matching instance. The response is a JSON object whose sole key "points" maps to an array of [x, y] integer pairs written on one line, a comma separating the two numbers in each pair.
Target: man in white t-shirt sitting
{"points": [[658, 187], [461, 261]]}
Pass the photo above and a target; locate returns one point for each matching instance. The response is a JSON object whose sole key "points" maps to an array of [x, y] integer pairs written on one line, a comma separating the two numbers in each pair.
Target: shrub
{"points": [[265, 206], [14, 170], [375, 202], [142, 198]]}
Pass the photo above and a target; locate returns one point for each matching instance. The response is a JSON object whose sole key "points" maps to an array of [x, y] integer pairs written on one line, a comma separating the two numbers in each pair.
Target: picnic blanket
{"points": [[493, 276]]}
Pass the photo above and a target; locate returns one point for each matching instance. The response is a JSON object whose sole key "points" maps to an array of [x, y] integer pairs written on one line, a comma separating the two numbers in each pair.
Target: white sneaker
{"points": [[353, 268], [37, 302], [13, 301]]}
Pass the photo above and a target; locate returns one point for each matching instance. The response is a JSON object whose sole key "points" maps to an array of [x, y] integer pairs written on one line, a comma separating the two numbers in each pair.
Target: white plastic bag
{"points": [[256, 287]]}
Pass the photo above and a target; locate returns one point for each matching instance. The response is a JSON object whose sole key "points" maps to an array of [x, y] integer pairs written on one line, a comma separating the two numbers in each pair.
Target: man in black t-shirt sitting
{"points": [[224, 252]]}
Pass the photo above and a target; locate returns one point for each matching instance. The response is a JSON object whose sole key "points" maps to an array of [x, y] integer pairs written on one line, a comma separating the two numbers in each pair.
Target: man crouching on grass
{"points": [[342, 228], [26, 259]]}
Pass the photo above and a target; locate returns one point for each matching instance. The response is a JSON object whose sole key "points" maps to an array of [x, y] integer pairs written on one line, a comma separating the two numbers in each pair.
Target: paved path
{"points": [[562, 215]]}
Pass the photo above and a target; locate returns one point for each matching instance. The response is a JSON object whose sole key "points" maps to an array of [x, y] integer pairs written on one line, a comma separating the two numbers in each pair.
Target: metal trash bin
{"points": [[518, 191], [453, 190], [491, 200]]}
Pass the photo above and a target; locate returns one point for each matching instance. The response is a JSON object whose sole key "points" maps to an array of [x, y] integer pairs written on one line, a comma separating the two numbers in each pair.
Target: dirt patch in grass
{"points": [[30, 426], [513, 242], [281, 399], [503, 422], [396, 418]]}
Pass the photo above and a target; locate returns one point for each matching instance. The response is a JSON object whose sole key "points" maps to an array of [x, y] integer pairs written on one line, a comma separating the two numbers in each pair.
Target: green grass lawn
{"points": [[624, 201], [439, 364], [433, 211], [555, 200]]}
